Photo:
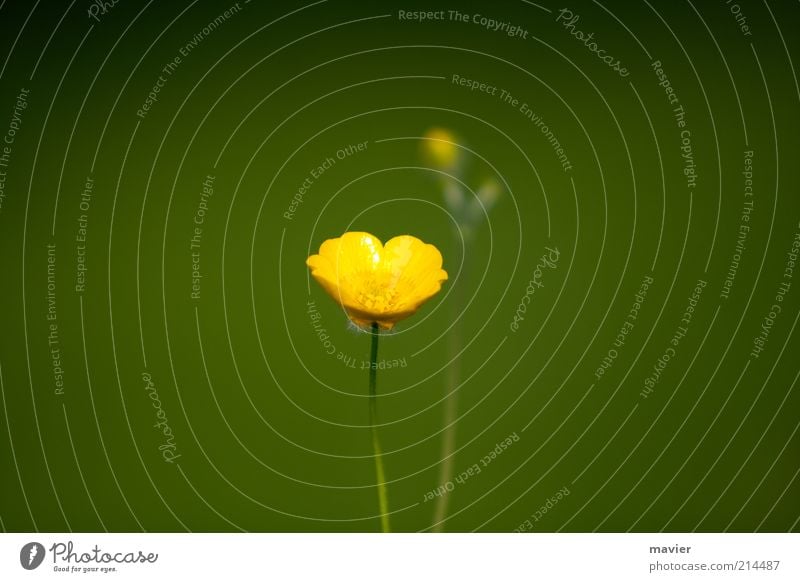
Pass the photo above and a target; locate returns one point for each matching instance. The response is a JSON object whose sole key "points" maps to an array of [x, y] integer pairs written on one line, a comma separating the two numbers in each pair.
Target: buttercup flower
{"points": [[376, 283], [439, 146]]}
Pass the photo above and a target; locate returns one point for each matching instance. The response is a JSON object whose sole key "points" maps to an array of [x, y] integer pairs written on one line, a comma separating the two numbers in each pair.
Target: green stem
{"points": [[452, 378], [383, 501]]}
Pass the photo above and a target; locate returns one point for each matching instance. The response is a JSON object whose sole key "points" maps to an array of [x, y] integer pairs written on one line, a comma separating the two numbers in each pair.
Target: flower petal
{"points": [[342, 261], [353, 253], [418, 270], [324, 271], [377, 283]]}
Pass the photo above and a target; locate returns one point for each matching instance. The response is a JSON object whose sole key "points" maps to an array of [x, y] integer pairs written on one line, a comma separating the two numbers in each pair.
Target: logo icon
{"points": [[31, 555]]}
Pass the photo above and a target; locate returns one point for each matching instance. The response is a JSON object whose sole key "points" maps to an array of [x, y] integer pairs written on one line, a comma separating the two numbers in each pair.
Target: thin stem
{"points": [[450, 416], [383, 500]]}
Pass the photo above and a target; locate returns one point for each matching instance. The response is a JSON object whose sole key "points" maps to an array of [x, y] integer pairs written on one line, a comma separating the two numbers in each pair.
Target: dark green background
{"points": [[269, 427]]}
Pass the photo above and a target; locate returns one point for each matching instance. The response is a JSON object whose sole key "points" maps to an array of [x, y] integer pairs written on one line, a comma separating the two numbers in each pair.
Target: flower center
{"points": [[377, 291]]}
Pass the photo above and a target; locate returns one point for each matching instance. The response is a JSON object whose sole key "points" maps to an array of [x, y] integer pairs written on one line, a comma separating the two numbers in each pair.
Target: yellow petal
{"points": [[377, 283], [418, 268], [440, 147]]}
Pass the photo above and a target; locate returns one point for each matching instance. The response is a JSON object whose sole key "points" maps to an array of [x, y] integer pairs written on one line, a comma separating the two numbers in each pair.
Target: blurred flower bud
{"points": [[489, 193], [487, 196], [439, 146], [454, 198]]}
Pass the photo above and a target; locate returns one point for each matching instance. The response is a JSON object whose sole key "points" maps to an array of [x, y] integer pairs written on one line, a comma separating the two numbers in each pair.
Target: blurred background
{"points": [[197, 379]]}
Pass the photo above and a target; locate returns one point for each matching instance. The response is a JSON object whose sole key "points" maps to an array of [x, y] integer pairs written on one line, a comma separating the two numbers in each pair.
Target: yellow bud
{"points": [[439, 146]]}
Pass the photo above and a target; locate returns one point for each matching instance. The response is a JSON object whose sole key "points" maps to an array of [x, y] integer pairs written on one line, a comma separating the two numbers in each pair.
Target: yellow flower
{"points": [[377, 283], [439, 146]]}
